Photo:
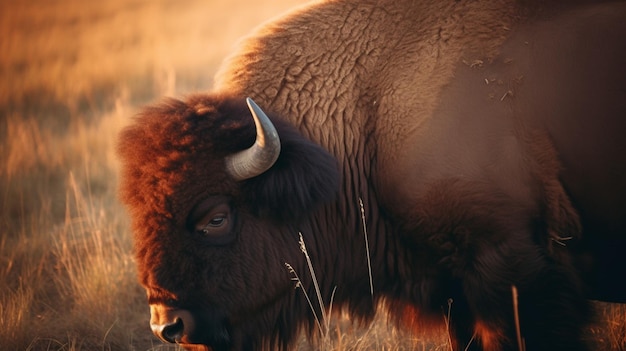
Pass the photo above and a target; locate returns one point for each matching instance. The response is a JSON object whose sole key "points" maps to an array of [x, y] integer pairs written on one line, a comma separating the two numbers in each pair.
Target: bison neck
{"points": [[351, 245]]}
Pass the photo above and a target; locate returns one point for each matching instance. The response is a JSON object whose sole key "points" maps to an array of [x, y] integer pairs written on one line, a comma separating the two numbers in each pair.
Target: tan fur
{"points": [[393, 68]]}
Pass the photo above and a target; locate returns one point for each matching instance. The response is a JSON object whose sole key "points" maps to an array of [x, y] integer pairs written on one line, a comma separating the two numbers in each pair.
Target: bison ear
{"points": [[303, 177]]}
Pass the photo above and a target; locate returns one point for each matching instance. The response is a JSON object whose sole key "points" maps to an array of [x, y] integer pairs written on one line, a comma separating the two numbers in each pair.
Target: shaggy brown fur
{"points": [[472, 130]]}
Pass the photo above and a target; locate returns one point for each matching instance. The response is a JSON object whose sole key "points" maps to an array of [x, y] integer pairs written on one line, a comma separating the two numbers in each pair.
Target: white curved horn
{"points": [[259, 157]]}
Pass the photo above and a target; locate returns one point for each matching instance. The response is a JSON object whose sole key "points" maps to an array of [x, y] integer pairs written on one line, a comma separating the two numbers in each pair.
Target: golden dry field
{"points": [[72, 74]]}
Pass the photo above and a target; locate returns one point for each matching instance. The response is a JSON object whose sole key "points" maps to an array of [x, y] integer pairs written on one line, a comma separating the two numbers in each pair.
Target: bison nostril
{"points": [[170, 332]]}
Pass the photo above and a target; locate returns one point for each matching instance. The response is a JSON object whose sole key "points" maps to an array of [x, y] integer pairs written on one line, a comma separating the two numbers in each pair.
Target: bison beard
{"points": [[469, 182]]}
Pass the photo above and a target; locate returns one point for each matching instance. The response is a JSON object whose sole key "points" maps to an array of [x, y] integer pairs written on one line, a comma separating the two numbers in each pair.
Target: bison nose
{"points": [[169, 332], [170, 324]]}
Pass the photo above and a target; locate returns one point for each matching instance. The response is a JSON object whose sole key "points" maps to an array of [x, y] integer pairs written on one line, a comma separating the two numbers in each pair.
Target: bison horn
{"points": [[259, 157]]}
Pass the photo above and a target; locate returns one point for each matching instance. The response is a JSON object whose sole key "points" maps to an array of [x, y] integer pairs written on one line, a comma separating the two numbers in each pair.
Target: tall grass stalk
{"points": [[298, 282], [322, 321], [367, 248], [518, 331], [320, 300], [446, 319]]}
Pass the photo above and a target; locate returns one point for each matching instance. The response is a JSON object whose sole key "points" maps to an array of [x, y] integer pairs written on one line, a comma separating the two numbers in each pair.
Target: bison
{"points": [[484, 138]]}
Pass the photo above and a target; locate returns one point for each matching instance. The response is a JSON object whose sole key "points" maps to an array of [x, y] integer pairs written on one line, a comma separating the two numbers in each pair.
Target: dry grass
{"points": [[73, 72]]}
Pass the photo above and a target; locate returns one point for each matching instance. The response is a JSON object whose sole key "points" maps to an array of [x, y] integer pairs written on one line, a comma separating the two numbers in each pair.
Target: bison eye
{"points": [[213, 224], [212, 220], [217, 221]]}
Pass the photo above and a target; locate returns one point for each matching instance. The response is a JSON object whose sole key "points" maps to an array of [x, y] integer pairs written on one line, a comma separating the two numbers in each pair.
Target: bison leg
{"points": [[554, 311], [552, 307], [484, 243], [460, 322], [467, 333]]}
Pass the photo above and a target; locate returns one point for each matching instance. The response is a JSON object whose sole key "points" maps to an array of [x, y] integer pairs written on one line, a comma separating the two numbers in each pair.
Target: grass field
{"points": [[72, 74]]}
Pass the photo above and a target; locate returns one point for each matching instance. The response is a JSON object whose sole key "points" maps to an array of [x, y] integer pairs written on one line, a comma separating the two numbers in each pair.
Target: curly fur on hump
{"points": [[446, 118]]}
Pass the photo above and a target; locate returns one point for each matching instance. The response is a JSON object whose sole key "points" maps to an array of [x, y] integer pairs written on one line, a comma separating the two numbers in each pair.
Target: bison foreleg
{"points": [[552, 307]]}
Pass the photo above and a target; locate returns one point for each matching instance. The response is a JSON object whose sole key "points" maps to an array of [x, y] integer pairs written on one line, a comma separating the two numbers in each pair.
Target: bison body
{"points": [[484, 138]]}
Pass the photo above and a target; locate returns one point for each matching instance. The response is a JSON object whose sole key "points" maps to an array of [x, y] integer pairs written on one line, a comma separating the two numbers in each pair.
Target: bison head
{"points": [[213, 225]]}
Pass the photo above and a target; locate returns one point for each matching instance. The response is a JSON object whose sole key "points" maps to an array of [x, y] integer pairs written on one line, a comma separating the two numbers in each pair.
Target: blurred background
{"points": [[72, 74]]}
